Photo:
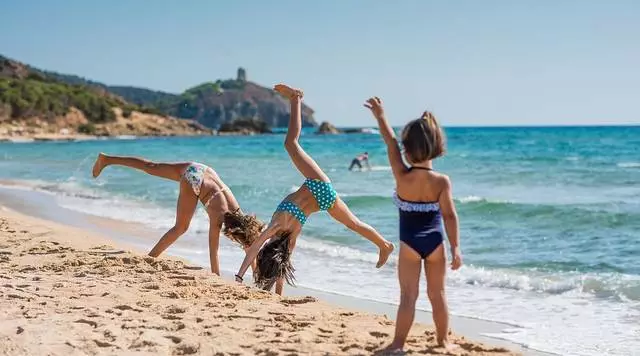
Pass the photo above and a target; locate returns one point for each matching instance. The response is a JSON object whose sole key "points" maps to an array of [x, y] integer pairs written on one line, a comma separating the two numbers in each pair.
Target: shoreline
{"points": [[42, 205]]}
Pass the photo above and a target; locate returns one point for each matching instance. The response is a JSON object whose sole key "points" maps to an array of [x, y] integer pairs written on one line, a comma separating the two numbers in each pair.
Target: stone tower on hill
{"points": [[242, 75]]}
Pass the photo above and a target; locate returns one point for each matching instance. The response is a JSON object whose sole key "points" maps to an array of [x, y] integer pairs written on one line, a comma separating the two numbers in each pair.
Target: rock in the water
{"points": [[245, 126], [327, 128]]}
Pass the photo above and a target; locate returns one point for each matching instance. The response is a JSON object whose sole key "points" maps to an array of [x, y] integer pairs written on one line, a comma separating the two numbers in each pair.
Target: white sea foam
{"points": [[380, 168], [629, 164], [471, 199]]}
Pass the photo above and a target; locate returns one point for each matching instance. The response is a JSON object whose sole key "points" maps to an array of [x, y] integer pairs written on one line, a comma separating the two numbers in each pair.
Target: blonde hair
{"points": [[423, 139], [241, 228]]}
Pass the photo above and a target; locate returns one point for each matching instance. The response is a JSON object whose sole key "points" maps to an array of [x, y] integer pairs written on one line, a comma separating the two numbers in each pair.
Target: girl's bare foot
{"points": [[99, 165], [287, 91], [448, 346], [384, 254], [391, 350]]}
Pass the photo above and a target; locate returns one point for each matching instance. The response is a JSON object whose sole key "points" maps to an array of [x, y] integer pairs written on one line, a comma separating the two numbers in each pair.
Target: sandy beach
{"points": [[66, 290]]}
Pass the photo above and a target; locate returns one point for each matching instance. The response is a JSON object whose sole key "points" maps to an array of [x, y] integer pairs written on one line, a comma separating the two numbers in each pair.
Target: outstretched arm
{"points": [[393, 148], [303, 162], [252, 252], [214, 242]]}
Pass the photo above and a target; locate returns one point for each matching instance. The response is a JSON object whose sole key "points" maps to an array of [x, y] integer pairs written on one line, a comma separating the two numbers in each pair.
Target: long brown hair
{"points": [[274, 262]]}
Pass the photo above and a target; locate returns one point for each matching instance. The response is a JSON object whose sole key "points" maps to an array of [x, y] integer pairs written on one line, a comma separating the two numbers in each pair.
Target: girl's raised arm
{"points": [[393, 148]]}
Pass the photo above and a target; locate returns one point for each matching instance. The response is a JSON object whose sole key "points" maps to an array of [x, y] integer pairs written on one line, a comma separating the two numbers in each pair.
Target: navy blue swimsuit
{"points": [[420, 225]]}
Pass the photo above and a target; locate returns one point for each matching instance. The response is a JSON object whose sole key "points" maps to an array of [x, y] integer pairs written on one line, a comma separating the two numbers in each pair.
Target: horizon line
{"points": [[487, 126]]}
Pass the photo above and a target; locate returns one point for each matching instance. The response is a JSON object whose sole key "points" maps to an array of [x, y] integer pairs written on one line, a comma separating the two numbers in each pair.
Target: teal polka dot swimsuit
{"points": [[294, 210], [323, 193]]}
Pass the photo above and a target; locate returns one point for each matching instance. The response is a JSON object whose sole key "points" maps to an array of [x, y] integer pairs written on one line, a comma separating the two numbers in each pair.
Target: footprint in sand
{"points": [[193, 268], [123, 307], [175, 310], [187, 349], [143, 304], [171, 317], [170, 295], [292, 301], [139, 344], [349, 347], [88, 322], [174, 339], [178, 325], [104, 344], [378, 334], [152, 286]]}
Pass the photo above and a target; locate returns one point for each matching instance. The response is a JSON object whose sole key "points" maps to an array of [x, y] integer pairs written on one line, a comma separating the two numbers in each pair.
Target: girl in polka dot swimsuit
{"points": [[317, 193]]}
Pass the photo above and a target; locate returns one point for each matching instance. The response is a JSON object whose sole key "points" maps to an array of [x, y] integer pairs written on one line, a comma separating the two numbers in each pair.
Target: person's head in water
{"points": [[423, 139], [241, 228]]}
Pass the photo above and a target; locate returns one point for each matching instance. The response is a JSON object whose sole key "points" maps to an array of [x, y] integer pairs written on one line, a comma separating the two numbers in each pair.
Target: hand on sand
{"points": [[456, 258], [98, 166], [375, 105], [287, 91], [384, 254]]}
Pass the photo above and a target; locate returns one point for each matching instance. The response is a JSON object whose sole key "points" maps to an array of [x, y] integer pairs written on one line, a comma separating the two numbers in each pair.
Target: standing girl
{"points": [[424, 200]]}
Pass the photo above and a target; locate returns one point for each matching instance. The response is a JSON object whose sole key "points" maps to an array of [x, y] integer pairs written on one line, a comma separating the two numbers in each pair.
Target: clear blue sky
{"points": [[471, 62]]}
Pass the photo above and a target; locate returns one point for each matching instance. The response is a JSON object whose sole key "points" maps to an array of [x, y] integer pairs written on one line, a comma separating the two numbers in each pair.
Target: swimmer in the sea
{"points": [[359, 160]]}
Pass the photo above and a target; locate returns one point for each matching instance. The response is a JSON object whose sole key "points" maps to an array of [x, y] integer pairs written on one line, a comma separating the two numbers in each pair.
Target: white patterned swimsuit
{"points": [[194, 175]]}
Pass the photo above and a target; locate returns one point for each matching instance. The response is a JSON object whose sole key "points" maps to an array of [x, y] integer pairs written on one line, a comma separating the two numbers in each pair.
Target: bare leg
{"points": [[187, 202], [409, 266], [436, 269], [340, 211], [354, 163], [303, 162], [163, 170]]}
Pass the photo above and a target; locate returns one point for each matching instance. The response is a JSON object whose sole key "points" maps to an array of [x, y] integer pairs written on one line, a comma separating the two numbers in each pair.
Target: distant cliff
{"points": [[33, 103], [211, 104]]}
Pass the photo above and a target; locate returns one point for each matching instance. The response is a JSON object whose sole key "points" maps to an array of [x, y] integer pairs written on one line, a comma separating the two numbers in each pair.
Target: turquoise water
{"points": [[550, 218]]}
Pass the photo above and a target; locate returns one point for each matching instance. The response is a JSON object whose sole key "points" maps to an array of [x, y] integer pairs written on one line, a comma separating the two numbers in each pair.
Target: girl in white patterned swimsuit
{"points": [[197, 182]]}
